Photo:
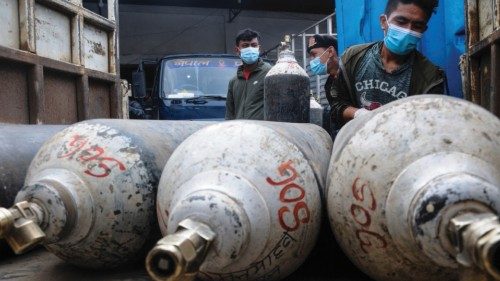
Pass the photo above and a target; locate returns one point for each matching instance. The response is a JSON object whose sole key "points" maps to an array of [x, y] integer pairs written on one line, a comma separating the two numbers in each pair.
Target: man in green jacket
{"points": [[375, 74], [245, 95]]}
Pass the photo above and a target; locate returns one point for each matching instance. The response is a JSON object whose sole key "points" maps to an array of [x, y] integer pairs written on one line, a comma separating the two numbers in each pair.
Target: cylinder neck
{"points": [[430, 193], [66, 204], [222, 214], [231, 206], [286, 55], [476, 238]]}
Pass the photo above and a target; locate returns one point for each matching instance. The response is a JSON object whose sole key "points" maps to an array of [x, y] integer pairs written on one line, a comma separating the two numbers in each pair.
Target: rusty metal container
{"points": [[414, 190], [59, 62], [18, 146], [90, 191], [245, 197], [286, 91], [481, 69]]}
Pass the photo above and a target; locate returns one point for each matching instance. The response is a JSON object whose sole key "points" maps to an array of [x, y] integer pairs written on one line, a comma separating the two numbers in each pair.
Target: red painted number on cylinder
{"points": [[366, 243], [362, 217], [286, 196], [106, 170], [287, 166], [297, 219], [359, 193], [289, 187], [97, 164], [75, 144]]}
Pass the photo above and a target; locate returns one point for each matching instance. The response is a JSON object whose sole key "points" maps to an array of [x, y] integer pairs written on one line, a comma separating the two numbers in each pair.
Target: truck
{"points": [[185, 87]]}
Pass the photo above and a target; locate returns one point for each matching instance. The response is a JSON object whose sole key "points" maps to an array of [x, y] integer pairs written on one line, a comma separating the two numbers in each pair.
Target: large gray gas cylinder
{"points": [[414, 190], [90, 191], [286, 91], [245, 197], [18, 146]]}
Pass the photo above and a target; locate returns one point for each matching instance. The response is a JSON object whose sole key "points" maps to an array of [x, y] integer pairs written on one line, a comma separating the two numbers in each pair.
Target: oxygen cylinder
{"points": [[316, 112], [286, 91], [414, 190], [90, 191], [18, 146], [240, 200]]}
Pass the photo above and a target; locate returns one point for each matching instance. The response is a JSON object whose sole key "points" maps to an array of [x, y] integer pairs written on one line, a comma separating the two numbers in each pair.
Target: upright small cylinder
{"points": [[286, 91], [18, 146]]}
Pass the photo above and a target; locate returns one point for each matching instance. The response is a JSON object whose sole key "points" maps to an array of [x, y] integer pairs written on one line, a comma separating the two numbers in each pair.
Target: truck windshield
{"points": [[197, 77]]}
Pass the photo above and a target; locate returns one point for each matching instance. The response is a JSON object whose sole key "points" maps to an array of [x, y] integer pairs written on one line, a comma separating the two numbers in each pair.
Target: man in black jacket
{"points": [[322, 50]]}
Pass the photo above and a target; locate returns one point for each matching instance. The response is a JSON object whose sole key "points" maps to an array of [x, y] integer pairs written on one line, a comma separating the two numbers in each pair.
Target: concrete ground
{"points": [[41, 265]]}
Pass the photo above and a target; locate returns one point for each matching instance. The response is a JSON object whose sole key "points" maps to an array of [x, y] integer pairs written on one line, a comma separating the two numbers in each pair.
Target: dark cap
{"points": [[321, 41]]}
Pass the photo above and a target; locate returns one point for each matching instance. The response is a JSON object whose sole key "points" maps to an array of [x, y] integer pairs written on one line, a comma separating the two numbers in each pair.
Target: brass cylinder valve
{"points": [[477, 241], [19, 226], [179, 256]]}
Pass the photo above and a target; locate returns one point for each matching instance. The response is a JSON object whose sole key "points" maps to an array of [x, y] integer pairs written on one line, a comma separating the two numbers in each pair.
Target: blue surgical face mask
{"points": [[249, 55], [401, 41], [317, 67]]}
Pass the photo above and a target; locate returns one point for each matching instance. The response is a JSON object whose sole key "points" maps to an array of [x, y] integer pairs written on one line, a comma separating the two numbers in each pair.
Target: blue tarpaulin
{"points": [[358, 21]]}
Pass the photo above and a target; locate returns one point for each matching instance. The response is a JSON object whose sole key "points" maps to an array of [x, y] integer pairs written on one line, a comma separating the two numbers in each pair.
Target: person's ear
{"points": [[384, 24], [332, 52], [237, 50]]}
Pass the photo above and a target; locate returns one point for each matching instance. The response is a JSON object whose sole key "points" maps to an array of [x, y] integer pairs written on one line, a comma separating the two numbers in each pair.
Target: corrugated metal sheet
{"points": [[443, 43]]}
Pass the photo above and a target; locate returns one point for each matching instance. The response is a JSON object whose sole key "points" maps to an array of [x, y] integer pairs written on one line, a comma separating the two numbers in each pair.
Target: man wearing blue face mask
{"points": [[322, 50], [375, 74], [245, 96], [323, 60]]}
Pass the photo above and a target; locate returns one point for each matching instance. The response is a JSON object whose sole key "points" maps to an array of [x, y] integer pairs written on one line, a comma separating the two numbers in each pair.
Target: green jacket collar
{"points": [[259, 67]]}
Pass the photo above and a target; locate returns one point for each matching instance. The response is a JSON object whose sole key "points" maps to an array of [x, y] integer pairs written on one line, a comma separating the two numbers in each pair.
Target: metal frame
{"points": [[27, 55], [481, 88]]}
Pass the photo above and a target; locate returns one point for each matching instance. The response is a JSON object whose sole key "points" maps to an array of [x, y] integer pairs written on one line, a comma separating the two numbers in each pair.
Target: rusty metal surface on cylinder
{"points": [[286, 91], [95, 184], [257, 187], [18, 146], [400, 176]]}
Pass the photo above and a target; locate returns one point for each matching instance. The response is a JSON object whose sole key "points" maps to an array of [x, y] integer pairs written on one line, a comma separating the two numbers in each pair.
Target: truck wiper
{"points": [[213, 97], [202, 99]]}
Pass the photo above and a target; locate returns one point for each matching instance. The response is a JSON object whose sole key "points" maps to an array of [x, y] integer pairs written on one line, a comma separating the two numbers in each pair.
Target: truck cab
{"points": [[187, 87]]}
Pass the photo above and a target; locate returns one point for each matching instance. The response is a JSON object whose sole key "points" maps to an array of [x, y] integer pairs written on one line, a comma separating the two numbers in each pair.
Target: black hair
{"points": [[247, 35], [429, 6]]}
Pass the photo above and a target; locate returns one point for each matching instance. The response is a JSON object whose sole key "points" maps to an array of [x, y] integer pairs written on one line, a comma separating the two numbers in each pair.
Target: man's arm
{"points": [[230, 103], [342, 106], [441, 88]]}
